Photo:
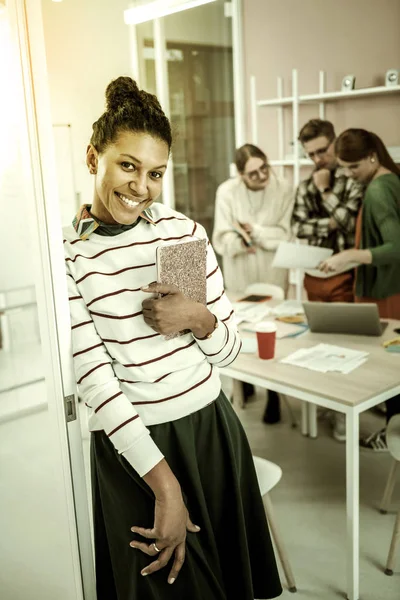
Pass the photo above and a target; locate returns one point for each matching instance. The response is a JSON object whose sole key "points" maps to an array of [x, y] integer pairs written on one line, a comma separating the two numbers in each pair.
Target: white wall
{"points": [[340, 37], [87, 45]]}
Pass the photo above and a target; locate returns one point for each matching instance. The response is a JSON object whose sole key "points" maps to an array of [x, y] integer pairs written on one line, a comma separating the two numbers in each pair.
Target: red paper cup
{"points": [[266, 335]]}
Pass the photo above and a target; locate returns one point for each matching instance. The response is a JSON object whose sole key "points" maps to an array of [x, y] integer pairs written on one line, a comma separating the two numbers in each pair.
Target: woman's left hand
{"points": [[337, 262], [170, 313]]}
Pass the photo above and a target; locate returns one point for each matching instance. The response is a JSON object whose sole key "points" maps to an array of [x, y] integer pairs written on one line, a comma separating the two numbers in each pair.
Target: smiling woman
{"points": [[157, 414], [126, 184], [128, 153]]}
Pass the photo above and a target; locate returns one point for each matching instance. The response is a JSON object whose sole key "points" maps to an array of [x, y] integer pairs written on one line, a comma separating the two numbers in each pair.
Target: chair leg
{"points": [[293, 421], [227, 387], [387, 494], [304, 418], [393, 546], [280, 548], [312, 421], [238, 395]]}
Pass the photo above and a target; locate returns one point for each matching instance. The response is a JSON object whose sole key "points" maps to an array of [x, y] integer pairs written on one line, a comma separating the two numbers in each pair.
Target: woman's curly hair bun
{"points": [[129, 109], [120, 91]]}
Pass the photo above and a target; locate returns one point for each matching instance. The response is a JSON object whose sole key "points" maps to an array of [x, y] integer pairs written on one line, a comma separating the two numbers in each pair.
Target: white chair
{"points": [[393, 443], [268, 475]]}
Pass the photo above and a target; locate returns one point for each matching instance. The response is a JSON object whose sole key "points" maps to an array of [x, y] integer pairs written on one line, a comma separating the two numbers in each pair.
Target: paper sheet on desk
{"points": [[327, 358], [288, 308], [251, 312], [299, 256], [283, 330]]}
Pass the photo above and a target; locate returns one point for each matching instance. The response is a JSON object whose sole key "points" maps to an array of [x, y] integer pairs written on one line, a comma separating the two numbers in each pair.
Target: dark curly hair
{"points": [[129, 109]]}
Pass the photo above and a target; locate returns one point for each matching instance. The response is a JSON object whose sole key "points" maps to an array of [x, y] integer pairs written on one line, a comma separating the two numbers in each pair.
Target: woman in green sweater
{"points": [[377, 247]]}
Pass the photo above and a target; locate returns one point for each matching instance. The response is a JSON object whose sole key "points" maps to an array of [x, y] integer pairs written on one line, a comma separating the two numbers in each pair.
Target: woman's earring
{"points": [[372, 160]]}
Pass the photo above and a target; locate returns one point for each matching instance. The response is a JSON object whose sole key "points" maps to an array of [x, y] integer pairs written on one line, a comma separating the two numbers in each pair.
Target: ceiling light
{"points": [[158, 9]]}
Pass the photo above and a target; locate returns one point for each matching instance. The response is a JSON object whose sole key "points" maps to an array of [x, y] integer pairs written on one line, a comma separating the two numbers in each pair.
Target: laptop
{"points": [[343, 317]]}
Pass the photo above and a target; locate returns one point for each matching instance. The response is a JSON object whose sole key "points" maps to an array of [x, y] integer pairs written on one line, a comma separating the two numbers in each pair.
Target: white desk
{"points": [[375, 381]]}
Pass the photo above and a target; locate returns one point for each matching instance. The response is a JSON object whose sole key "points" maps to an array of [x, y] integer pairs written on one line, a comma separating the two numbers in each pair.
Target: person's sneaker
{"points": [[375, 442], [339, 427]]}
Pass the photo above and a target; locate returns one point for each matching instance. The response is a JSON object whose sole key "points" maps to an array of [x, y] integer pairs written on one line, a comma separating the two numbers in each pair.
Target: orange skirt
{"points": [[338, 288], [389, 308]]}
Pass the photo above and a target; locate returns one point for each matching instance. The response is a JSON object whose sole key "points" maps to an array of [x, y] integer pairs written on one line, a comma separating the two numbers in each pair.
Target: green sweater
{"points": [[381, 235]]}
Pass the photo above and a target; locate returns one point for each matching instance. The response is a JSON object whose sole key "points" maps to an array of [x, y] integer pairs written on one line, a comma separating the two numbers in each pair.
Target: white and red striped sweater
{"points": [[128, 375]]}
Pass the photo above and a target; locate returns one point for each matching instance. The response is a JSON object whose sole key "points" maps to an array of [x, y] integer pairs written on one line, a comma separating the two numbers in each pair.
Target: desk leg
{"points": [[352, 504], [304, 418], [312, 420]]}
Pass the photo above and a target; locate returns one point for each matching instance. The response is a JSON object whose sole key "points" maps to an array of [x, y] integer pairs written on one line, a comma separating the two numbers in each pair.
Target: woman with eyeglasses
{"points": [[377, 243], [252, 215]]}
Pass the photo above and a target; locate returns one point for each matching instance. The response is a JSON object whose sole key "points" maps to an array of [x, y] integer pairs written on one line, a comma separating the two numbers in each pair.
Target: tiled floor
{"points": [[309, 504]]}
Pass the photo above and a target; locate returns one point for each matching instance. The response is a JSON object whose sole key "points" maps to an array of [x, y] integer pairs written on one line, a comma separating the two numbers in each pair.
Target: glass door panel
{"points": [[200, 79], [202, 108], [38, 546]]}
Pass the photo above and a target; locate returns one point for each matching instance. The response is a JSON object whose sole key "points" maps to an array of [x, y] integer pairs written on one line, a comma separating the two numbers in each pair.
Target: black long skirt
{"points": [[231, 558]]}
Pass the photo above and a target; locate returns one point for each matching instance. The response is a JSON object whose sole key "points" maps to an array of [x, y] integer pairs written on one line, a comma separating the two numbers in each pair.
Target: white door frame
{"points": [[52, 298], [239, 86], [162, 87]]}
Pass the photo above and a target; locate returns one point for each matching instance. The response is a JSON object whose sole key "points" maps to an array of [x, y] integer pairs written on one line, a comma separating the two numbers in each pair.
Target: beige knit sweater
{"points": [[269, 211]]}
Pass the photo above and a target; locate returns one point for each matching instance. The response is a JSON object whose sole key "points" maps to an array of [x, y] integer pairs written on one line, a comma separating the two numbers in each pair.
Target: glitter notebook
{"points": [[185, 265]]}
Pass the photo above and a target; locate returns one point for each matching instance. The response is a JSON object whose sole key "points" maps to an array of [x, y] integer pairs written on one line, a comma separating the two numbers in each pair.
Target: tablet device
{"points": [[184, 264]]}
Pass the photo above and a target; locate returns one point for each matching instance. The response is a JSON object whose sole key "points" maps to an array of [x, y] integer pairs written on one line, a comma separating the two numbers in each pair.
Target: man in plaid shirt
{"points": [[325, 213], [325, 210]]}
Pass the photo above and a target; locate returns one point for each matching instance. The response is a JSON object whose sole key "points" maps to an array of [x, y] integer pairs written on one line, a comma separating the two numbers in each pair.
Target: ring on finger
{"points": [[155, 547]]}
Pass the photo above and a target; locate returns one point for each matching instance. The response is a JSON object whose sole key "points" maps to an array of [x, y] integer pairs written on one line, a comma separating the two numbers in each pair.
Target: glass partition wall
{"points": [[199, 63], [39, 547]]}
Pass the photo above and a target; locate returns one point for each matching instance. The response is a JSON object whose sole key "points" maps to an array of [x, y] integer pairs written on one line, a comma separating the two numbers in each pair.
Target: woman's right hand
{"points": [[171, 523]]}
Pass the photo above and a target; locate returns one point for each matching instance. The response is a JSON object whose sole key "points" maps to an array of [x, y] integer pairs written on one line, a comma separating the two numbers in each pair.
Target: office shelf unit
{"points": [[294, 101]]}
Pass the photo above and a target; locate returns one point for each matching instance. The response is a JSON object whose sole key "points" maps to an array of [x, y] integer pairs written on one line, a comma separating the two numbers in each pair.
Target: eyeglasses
{"points": [[320, 152], [256, 175]]}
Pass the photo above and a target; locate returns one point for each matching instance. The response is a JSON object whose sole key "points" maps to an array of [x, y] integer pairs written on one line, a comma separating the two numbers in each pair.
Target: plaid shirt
{"points": [[311, 214]]}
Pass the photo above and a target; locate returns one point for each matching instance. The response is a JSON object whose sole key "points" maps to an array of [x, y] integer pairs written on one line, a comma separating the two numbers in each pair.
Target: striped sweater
{"points": [[128, 375]]}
